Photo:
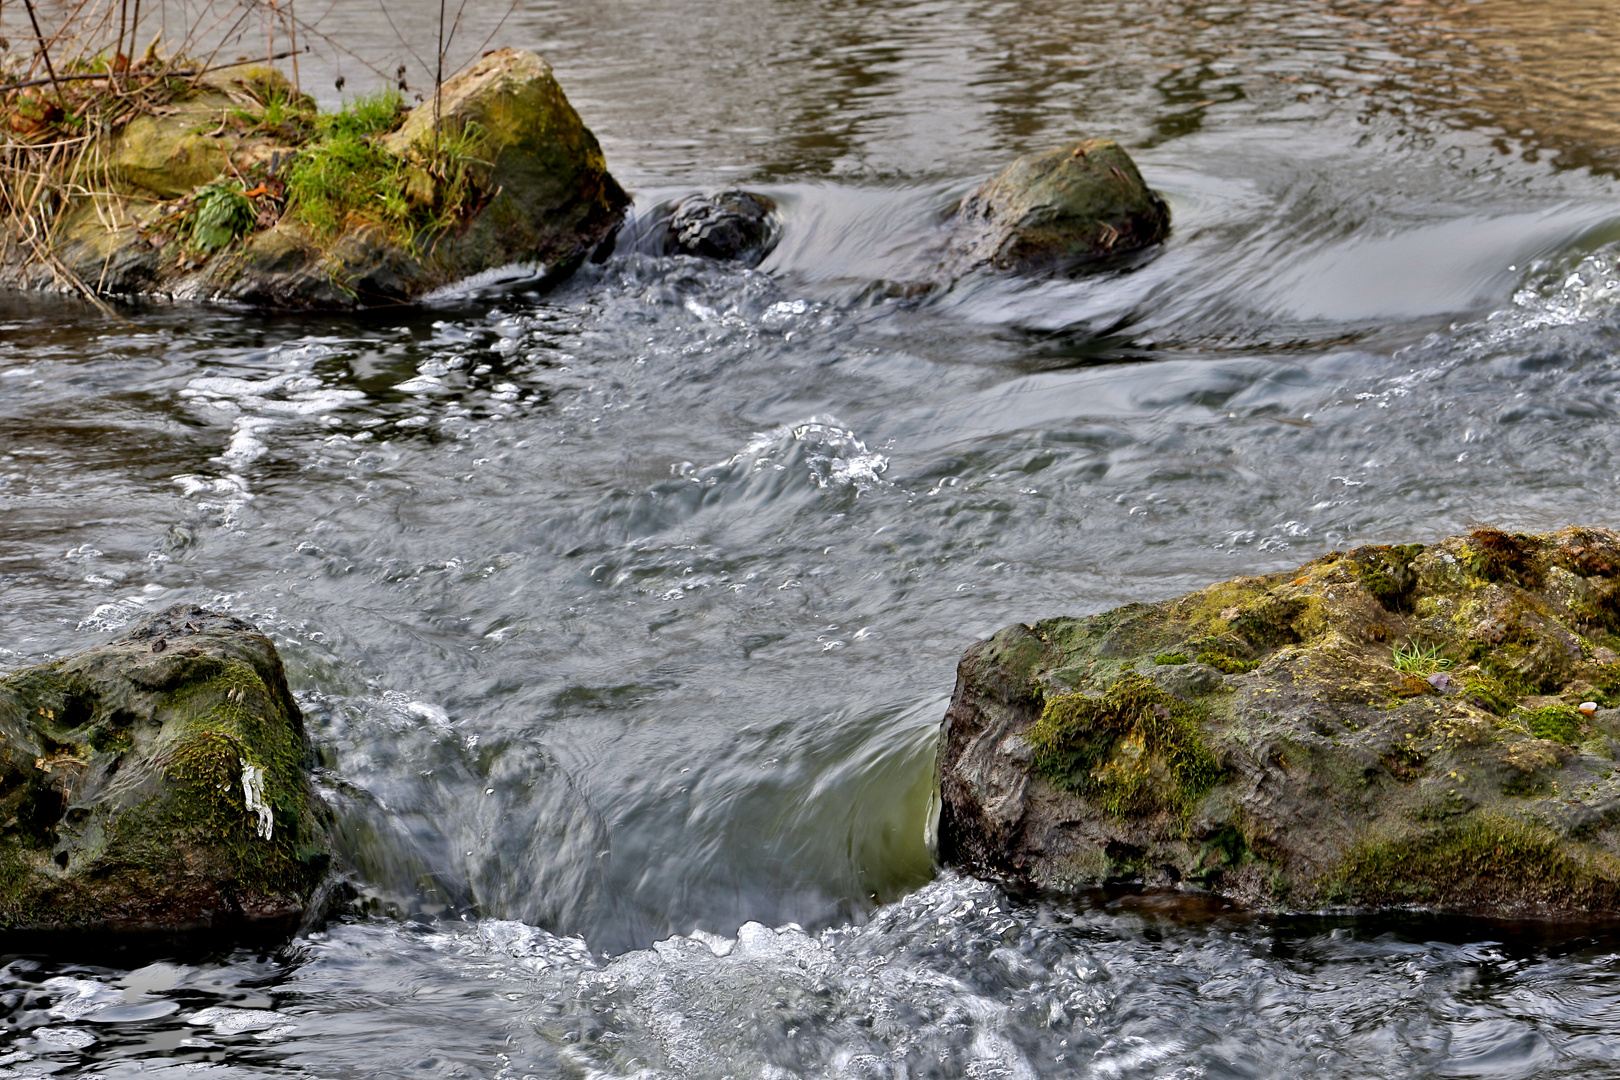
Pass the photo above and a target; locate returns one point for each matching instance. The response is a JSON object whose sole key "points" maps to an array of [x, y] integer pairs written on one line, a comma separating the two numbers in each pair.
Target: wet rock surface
{"points": [[159, 784], [1394, 727], [1058, 210], [731, 226]]}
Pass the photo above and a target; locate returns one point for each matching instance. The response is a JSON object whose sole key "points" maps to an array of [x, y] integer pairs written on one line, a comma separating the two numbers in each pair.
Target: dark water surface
{"points": [[624, 616]]}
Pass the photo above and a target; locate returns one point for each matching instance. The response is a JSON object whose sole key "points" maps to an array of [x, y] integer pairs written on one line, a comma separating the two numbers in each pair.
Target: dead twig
{"points": [[43, 50], [169, 75]]}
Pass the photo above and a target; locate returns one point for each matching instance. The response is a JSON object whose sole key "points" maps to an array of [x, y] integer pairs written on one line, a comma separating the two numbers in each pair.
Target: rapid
{"points": [[623, 615]]}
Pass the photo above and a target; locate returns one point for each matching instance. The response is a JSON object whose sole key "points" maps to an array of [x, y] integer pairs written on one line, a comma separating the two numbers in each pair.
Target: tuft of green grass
{"points": [[281, 113], [344, 173], [371, 114], [1414, 659]]}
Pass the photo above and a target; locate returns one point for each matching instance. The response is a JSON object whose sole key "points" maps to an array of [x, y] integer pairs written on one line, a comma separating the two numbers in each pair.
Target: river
{"points": [[624, 615]]}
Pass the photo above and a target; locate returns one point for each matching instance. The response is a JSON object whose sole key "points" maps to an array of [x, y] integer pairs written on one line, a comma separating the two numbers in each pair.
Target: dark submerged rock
{"points": [[159, 784], [732, 226], [1058, 210], [1277, 741], [727, 226]]}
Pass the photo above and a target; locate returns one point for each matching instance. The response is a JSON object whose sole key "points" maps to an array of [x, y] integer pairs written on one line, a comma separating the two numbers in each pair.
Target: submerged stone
{"points": [[1058, 210], [731, 226], [1288, 742], [159, 784]]}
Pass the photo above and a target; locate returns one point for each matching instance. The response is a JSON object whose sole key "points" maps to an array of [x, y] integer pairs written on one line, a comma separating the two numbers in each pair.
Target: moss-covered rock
{"points": [[550, 198], [159, 783], [499, 170], [1413, 726], [172, 153], [1057, 210]]}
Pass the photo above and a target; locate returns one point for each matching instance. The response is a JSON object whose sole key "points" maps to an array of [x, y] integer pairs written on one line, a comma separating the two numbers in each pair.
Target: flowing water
{"points": [[624, 615]]}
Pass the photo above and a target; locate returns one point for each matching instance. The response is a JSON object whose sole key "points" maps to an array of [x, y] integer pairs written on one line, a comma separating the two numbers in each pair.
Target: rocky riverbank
{"points": [[231, 186], [1415, 726], [234, 188]]}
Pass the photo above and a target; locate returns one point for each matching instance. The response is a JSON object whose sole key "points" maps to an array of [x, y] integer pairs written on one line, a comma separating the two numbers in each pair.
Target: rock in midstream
{"points": [[159, 783], [1056, 211], [731, 226], [1404, 726], [545, 199]]}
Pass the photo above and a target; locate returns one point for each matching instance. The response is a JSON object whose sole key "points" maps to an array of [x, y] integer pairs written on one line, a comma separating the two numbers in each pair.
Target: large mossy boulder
{"points": [[159, 784], [550, 196], [1058, 210], [1429, 727], [498, 170]]}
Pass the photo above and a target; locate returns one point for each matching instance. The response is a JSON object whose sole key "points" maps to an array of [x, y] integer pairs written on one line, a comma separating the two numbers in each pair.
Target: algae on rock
{"points": [[159, 783], [1302, 761]]}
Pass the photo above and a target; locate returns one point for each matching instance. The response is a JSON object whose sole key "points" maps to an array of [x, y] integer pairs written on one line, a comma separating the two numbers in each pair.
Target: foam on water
{"points": [[955, 980]]}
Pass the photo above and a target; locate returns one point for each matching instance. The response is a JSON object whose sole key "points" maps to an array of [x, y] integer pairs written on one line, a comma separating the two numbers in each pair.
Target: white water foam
{"points": [[833, 454], [259, 406]]}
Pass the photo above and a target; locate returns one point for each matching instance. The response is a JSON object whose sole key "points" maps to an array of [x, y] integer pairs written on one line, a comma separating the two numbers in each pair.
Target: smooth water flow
{"points": [[624, 616]]}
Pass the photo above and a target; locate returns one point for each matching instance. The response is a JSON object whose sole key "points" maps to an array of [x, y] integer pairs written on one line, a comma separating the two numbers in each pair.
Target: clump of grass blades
{"points": [[345, 173], [1414, 659], [282, 111]]}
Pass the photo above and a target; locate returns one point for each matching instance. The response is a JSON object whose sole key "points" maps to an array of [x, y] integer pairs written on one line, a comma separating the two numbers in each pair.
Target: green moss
{"points": [[1489, 694], [1605, 680], [1135, 750], [176, 819], [1387, 573], [1486, 860], [1600, 608], [1226, 662], [1227, 848], [1172, 659], [1557, 722], [1270, 620]]}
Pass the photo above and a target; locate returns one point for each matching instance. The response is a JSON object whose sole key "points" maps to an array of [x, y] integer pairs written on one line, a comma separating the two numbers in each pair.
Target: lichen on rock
{"points": [[1423, 726], [159, 783]]}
